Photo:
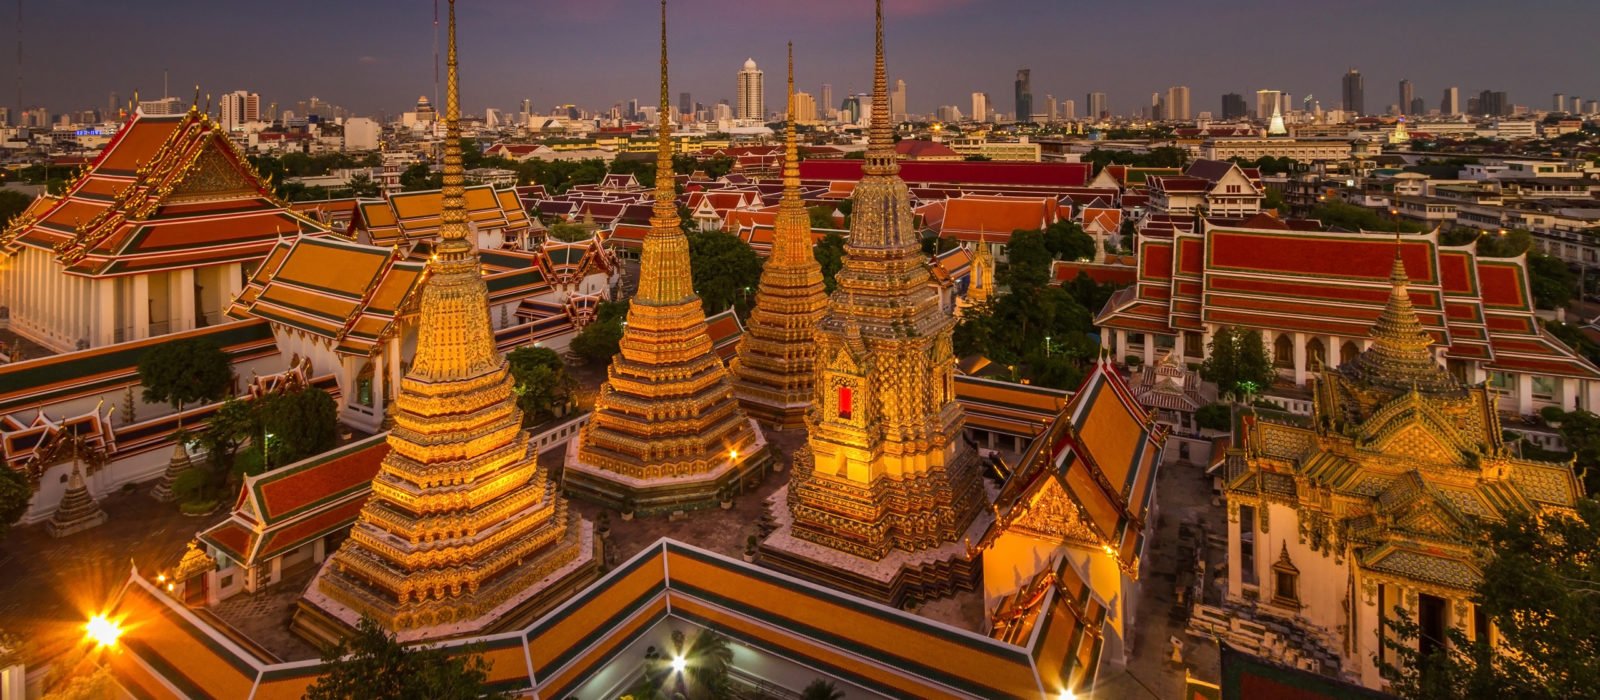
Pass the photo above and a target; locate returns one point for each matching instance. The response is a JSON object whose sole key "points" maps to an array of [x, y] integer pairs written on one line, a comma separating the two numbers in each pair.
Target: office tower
{"points": [[897, 101], [1354, 90], [1069, 109], [827, 101], [1095, 106], [1178, 103], [980, 106], [113, 105], [1558, 103], [805, 108], [1493, 103], [5, 116], [1419, 107], [752, 93], [1451, 104], [685, 104], [1024, 97], [1268, 102], [1406, 96], [632, 113], [163, 106], [1233, 106], [1155, 106], [239, 108]]}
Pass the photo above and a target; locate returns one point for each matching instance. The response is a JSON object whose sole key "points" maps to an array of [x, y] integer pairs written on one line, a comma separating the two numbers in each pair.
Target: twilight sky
{"points": [[377, 55]]}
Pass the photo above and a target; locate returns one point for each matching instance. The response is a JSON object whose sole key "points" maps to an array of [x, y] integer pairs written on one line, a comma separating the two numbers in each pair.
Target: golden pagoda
{"points": [[981, 290], [886, 468], [463, 532], [667, 433], [775, 372]]}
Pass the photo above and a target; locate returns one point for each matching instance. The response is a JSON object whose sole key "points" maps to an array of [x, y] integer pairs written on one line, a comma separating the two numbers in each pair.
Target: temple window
{"points": [[1315, 352], [845, 400], [1349, 350], [1431, 611], [1285, 580], [364, 385], [1544, 387], [1501, 382], [1247, 544], [1283, 351]]}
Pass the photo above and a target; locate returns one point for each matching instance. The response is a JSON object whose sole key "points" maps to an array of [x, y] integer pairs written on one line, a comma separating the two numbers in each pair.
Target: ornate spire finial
{"points": [[880, 144], [664, 263], [453, 214]]}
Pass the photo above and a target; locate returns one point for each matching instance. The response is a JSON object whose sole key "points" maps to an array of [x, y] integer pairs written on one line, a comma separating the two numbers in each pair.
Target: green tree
{"points": [[1552, 282], [709, 657], [829, 253], [1066, 240], [601, 339], [821, 216], [1028, 261], [298, 424], [420, 177], [362, 185], [1353, 218], [725, 269], [1580, 430], [12, 203], [15, 493], [1540, 578], [372, 664], [185, 371], [821, 689], [543, 386], [570, 233], [932, 246], [1237, 361], [233, 423]]}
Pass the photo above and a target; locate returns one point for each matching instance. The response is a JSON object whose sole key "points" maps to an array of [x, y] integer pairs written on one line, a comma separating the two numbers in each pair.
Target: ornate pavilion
{"points": [[463, 533], [775, 373], [1335, 519], [667, 433], [887, 490]]}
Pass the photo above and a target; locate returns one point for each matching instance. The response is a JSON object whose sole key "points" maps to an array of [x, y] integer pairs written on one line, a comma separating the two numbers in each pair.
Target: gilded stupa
{"points": [[463, 533], [886, 471], [981, 289], [667, 433], [775, 372]]}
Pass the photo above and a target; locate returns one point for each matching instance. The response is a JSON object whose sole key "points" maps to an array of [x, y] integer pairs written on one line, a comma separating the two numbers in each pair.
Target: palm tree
{"points": [[821, 690], [707, 661]]}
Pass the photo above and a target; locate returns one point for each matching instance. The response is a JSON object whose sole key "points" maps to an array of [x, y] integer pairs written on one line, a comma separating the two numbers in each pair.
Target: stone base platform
{"points": [[664, 495], [324, 622], [901, 577]]}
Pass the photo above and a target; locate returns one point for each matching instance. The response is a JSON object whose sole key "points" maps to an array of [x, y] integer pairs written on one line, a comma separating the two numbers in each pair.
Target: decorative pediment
{"points": [[213, 174], [1430, 519], [1052, 515], [1411, 429]]}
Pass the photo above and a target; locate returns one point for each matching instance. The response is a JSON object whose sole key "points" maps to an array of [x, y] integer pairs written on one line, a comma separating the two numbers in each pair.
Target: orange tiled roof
{"points": [[966, 217]]}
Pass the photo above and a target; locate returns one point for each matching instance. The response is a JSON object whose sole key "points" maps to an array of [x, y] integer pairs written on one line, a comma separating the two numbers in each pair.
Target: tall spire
{"points": [[790, 243], [880, 144], [1400, 356], [453, 218], [664, 276]]}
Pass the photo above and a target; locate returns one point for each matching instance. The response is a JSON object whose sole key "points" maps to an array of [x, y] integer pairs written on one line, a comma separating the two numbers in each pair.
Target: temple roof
{"points": [[346, 292], [411, 216], [167, 192], [966, 218]]}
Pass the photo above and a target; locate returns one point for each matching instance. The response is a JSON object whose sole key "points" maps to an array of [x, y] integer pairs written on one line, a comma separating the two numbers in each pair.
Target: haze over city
{"points": [[376, 57]]}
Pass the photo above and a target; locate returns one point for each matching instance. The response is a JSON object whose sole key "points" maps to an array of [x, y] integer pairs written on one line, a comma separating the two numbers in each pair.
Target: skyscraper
{"points": [[1419, 107], [805, 108], [1268, 102], [1178, 103], [685, 104], [1233, 106], [1493, 103], [1406, 97], [1069, 109], [238, 108], [1155, 106], [752, 93], [1354, 90], [980, 107], [1024, 96], [1451, 104], [1095, 106], [828, 107], [1050, 108], [1558, 103], [897, 101]]}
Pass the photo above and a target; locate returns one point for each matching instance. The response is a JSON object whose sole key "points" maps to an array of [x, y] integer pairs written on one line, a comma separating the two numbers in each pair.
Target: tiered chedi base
{"points": [[178, 464], [897, 579], [666, 487], [328, 614], [78, 510]]}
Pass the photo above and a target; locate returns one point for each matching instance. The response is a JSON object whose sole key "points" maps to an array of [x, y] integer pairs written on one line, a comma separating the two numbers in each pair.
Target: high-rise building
{"points": [[5, 116], [1233, 106], [1095, 106], [886, 480], [685, 104], [805, 108], [1268, 102], [239, 108], [1558, 103], [1406, 96], [980, 106], [1493, 103], [163, 106], [1450, 105], [897, 102], [1155, 106], [667, 433], [113, 105], [828, 107], [1069, 109], [1050, 109], [752, 93], [775, 370], [1177, 105], [1354, 93], [1024, 96], [633, 110], [464, 532], [1418, 108]]}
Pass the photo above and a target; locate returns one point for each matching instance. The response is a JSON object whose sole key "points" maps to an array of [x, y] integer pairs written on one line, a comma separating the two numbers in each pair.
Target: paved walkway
{"points": [[51, 586]]}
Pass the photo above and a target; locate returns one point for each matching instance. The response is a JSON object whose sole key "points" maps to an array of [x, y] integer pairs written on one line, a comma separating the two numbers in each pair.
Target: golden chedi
{"points": [[886, 470], [666, 433], [775, 372], [463, 532]]}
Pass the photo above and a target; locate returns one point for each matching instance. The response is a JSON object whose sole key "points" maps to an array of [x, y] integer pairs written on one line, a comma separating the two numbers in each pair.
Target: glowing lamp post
{"points": [[102, 631]]}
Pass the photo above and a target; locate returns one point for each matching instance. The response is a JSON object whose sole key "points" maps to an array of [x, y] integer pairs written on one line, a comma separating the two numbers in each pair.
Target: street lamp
{"points": [[103, 632]]}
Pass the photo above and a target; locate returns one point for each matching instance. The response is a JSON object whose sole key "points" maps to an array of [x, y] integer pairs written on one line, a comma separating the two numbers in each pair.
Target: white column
{"points": [[1335, 345], [1570, 401], [1524, 394], [1122, 344], [380, 375], [1149, 348], [1205, 340], [395, 359], [232, 281], [1591, 395], [1177, 346], [140, 298], [180, 292], [105, 312], [1300, 359]]}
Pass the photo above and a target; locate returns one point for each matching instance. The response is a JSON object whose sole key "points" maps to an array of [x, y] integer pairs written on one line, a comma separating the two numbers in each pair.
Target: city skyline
{"points": [[554, 58]]}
